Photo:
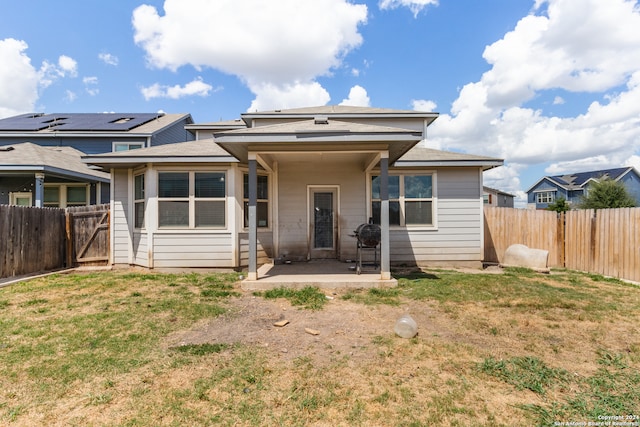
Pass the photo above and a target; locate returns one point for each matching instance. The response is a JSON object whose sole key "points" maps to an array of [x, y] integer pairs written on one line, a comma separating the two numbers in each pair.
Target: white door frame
{"points": [[335, 189]]}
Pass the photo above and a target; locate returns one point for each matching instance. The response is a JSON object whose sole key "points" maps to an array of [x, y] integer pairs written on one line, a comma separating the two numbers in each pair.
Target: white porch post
{"points": [[385, 269], [253, 223], [39, 190]]}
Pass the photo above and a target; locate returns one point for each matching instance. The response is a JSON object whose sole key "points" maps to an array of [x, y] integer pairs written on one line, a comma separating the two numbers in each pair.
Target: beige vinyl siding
{"points": [[458, 237], [120, 216], [265, 248], [140, 249], [294, 179], [193, 249]]}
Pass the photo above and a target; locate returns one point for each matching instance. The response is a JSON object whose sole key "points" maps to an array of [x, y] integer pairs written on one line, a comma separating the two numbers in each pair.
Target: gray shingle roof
{"points": [[422, 156], [27, 156], [201, 150]]}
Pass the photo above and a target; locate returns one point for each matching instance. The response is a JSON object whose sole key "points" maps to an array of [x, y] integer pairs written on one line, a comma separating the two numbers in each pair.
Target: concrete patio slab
{"points": [[325, 274]]}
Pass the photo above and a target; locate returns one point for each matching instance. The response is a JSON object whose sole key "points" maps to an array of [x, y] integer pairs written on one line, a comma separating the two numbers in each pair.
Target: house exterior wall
{"points": [[22, 184], [88, 145], [498, 199], [26, 184], [201, 249], [294, 179], [457, 238], [140, 249], [545, 186], [632, 183], [174, 133], [122, 244], [265, 247]]}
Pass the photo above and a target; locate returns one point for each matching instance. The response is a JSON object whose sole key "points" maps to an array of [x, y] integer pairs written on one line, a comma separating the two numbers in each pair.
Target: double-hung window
{"points": [[192, 199], [66, 195], [545, 197], [411, 200], [138, 201], [262, 207]]}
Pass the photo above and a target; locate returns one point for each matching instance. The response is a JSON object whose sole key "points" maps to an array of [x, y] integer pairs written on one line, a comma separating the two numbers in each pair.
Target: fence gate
{"points": [[88, 235]]}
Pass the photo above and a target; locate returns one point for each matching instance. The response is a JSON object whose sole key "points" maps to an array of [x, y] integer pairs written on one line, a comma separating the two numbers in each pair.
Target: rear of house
{"points": [[294, 185]]}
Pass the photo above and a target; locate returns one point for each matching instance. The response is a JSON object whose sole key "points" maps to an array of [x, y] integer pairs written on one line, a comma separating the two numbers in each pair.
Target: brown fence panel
{"points": [[579, 240], [31, 240], [88, 230], [617, 244], [504, 227]]}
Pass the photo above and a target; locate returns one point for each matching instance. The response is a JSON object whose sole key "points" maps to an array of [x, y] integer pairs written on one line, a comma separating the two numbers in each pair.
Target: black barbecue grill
{"points": [[368, 238]]}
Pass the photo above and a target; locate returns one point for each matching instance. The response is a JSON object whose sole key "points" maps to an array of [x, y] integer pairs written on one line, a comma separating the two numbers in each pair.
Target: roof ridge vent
{"points": [[321, 120]]}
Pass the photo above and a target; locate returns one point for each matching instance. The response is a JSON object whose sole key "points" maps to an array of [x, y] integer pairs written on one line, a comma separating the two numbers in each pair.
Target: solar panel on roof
{"points": [[112, 122]]}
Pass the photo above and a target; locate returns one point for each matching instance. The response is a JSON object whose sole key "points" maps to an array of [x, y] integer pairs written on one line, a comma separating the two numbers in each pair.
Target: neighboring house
{"points": [[31, 175], [572, 187], [85, 133], [493, 197], [294, 185]]}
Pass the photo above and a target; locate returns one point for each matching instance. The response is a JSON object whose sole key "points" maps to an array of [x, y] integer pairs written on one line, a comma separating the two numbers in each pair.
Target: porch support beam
{"points": [[253, 223], [372, 162], [385, 265], [264, 163], [39, 202]]}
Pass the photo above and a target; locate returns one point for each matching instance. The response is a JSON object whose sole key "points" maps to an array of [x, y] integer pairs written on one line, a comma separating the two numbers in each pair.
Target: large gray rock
{"points": [[522, 256]]}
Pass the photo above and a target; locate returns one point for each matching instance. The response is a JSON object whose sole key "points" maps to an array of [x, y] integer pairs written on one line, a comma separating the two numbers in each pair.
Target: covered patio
{"points": [[324, 274]]}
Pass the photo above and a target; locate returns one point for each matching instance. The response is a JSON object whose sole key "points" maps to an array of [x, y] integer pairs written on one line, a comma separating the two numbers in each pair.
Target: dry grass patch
{"points": [[134, 349]]}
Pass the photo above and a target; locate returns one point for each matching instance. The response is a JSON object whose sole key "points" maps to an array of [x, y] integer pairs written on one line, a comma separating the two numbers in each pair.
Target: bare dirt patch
{"points": [[344, 327]]}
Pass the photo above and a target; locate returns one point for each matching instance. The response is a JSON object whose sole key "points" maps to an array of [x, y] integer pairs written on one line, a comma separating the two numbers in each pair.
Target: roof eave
{"points": [[485, 164], [64, 173], [131, 161]]}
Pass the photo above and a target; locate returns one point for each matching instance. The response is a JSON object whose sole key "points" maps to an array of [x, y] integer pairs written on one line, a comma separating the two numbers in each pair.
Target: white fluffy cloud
{"points": [[590, 47], [416, 6], [108, 59], [423, 105], [276, 48], [91, 85], [358, 97], [195, 87], [18, 79]]}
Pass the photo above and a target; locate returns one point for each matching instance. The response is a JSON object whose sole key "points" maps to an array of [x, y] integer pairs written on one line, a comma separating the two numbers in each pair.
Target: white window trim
{"points": [[143, 200], [192, 201], [62, 194], [401, 200], [19, 195], [115, 144], [549, 193], [268, 200]]}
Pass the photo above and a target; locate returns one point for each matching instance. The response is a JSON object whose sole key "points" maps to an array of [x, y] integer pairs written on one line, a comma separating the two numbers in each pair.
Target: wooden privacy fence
{"points": [[606, 241], [31, 240], [87, 233], [35, 240]]}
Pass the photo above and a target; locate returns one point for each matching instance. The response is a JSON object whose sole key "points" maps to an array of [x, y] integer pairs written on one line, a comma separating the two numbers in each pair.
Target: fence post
{"points": [[69, 238], [561, 239]]}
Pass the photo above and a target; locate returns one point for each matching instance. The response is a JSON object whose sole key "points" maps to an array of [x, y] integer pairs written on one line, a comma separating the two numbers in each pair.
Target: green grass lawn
{"points": [[518, 348]]}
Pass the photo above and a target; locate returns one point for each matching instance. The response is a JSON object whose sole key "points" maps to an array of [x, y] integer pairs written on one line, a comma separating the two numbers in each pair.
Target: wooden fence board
{"points": [[32, 240], [606, 241]]}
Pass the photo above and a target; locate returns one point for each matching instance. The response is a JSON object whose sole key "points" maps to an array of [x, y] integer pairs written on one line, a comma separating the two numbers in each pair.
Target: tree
{"points": [[605, 194], [560, 205]]}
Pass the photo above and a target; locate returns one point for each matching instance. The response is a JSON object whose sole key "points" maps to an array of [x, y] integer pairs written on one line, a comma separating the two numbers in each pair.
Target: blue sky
{"points": [[551, 86]]}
